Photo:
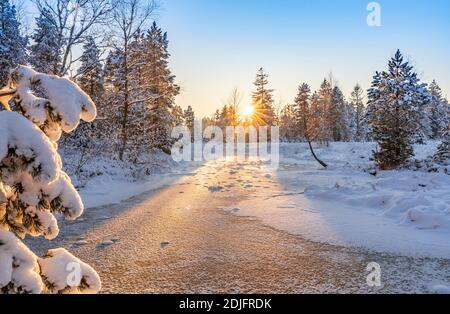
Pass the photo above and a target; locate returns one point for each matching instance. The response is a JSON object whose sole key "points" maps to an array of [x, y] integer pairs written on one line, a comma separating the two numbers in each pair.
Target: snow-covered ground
{"points": [[403, 212], [106, 181], [179, 230]]}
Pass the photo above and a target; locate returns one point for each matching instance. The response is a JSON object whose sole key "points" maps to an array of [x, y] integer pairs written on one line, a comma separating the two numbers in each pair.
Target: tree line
{"points": [[399, 111], [123, 67]]}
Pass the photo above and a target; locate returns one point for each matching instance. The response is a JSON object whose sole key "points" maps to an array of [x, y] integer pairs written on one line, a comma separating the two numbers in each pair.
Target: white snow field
{"points": [[402, 212], [238, 226], [106, 181], [113, 189]]}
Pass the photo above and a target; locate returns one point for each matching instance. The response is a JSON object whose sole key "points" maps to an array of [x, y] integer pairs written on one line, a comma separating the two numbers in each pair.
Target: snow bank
{"points": [[107, 190], [104, 180], [403, 212]]}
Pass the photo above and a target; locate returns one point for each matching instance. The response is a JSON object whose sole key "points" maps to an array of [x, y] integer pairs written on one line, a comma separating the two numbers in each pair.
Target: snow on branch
{"points": [[20, 139], [33, 186], [53, 103], [19, 270]]}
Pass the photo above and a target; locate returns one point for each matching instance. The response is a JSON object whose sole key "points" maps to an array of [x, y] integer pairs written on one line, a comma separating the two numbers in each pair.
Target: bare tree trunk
{"points": [[315, 156]]}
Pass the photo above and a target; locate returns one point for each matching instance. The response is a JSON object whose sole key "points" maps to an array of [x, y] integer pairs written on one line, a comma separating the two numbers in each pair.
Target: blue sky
{"points": [[219, 44]]}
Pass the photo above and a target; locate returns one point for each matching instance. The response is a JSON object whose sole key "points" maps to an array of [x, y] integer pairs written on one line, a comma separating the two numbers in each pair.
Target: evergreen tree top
{"points": [[435, 90], [303, 94], [400, 69], [261, 82]]}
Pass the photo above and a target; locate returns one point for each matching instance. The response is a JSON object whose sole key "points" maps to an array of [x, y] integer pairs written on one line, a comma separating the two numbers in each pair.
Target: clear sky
{"points": [[219, 44]]}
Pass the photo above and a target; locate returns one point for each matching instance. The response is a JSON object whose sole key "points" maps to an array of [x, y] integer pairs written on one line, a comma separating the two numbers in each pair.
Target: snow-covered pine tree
{"points": [[220, 117], [314, 129], [74, 20], [436, 110], [189, 119], [90, 72], [90, 139], [178, 115], [307, 117], [263, 101], [232, 115], [121, 83], [128, 19], [140, 93], [114, 84], [45, 52], [139, 98], [217, 118], [443, 152], [287, 123], [224, 116], [33, 186], [302, 111], [396, 103], [161, 87], [350, 121], [327, 113], [357, 102], [12, 43], [339, 116]]}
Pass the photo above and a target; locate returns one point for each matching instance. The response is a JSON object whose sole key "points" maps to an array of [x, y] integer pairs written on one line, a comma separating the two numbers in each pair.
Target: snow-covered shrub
{"points": [[33, 186]]}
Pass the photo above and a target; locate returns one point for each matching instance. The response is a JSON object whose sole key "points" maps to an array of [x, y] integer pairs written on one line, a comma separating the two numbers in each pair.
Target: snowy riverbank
{"points": [[106, 181], [403, 212]]}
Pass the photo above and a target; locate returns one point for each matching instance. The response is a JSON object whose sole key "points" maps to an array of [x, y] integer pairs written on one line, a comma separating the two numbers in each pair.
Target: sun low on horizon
{"points": [[248, 111]]}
